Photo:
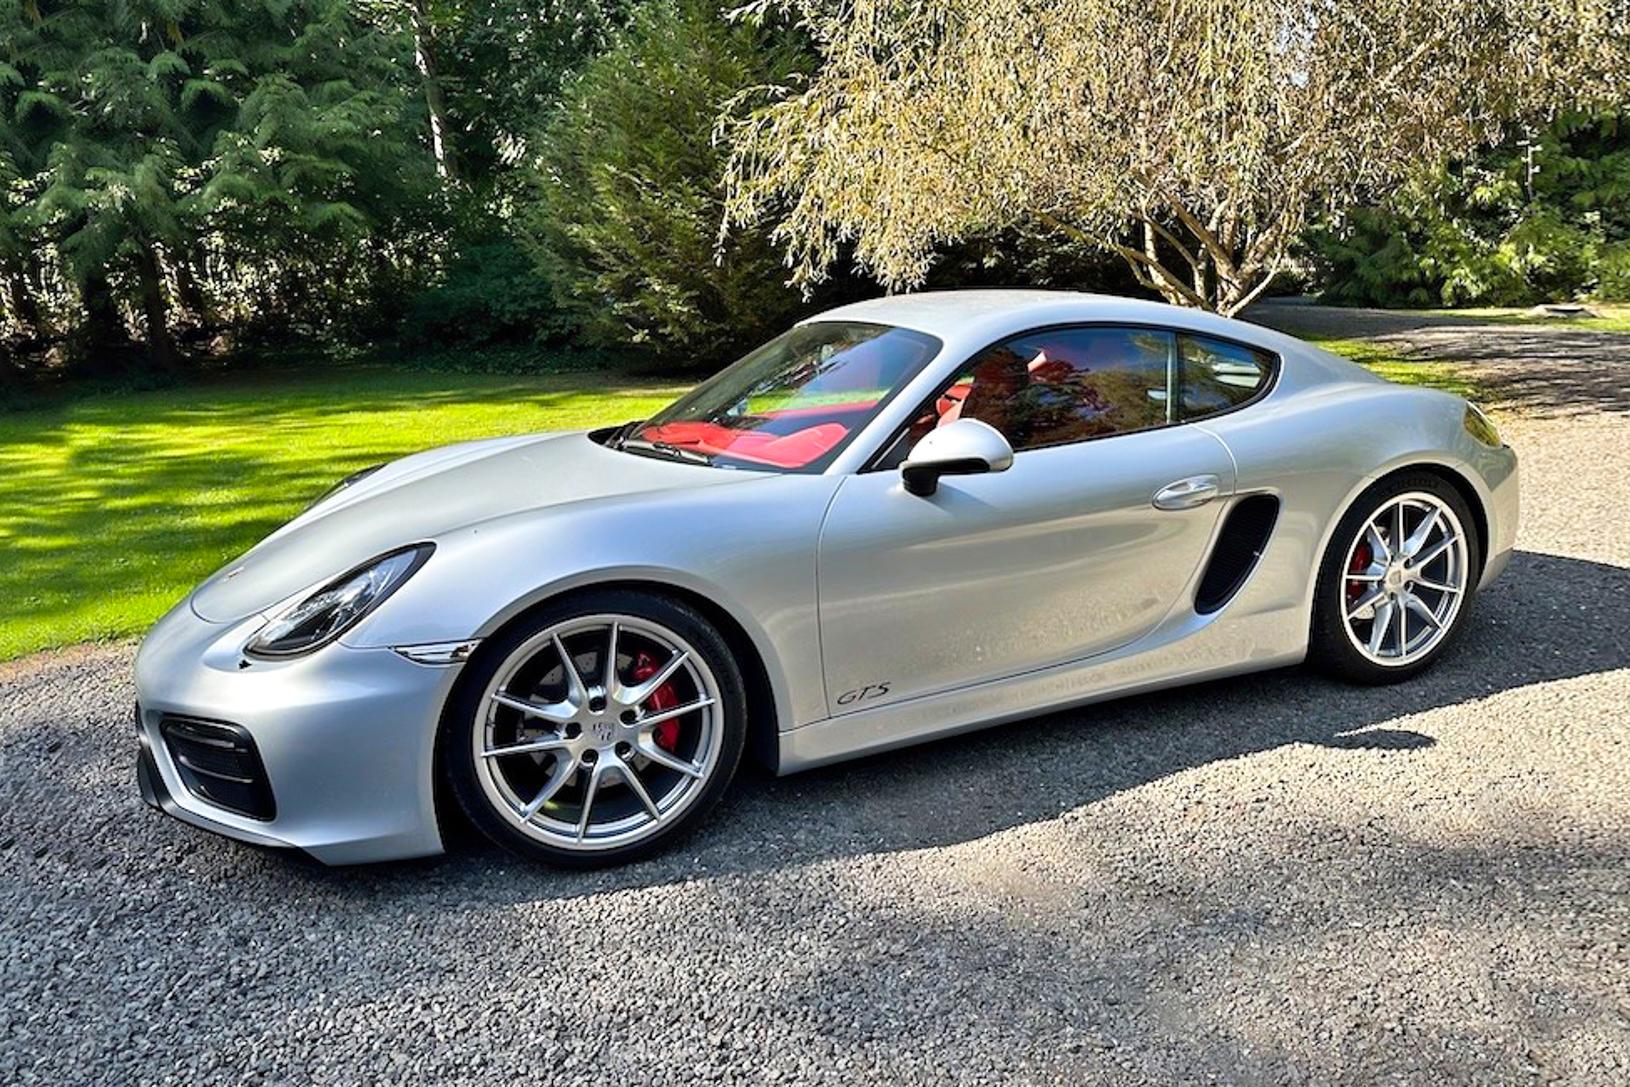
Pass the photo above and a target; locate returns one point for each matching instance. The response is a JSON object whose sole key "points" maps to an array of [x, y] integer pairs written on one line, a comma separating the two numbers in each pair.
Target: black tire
{"points": [[457, 757], [1329, 648]]}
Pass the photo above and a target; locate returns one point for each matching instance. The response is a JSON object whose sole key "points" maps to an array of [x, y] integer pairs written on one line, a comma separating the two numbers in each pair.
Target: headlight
{"points": [[337, 606], [349, 481], [1479, 427]]}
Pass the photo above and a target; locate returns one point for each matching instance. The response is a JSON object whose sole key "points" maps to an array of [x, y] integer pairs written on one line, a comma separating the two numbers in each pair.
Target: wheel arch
{"points": [[763, 710], [1456, 479]]}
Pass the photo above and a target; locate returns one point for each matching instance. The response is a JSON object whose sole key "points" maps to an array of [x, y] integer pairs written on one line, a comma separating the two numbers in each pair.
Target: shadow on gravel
{"points": [[1258, 958], [1547, 618], [1535, 369]]}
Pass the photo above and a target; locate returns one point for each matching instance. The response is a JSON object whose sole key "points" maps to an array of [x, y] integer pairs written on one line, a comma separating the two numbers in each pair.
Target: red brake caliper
{"points": [[1362, 557], [664, 697]]}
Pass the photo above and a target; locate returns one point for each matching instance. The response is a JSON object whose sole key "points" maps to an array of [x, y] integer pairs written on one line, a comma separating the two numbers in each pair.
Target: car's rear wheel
{"points": [[596, 730], [1396, 583]]}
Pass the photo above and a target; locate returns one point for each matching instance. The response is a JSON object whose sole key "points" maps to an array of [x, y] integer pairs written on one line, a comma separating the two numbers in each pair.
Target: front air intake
{"points": [[219, 764], [1244, 535]]}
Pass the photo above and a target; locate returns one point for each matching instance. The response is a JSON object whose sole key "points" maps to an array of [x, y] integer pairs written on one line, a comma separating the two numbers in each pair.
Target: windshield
{"points": [[793, 404]]}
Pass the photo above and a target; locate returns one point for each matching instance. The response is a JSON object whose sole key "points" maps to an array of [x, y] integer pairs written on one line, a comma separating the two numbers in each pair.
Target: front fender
{"points": [[748, 548]]}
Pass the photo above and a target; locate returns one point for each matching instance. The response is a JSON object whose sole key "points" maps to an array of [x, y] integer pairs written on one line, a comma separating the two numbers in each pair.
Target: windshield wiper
{"points": [[617, 437], [665, 450]]}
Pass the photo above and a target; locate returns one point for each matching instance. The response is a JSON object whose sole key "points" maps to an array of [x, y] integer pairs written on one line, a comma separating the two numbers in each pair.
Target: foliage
{"points": [[150, 491], [214, 157], [485, 67], [627, 201], [1190, 138], [1529, 220], [490, 294]]}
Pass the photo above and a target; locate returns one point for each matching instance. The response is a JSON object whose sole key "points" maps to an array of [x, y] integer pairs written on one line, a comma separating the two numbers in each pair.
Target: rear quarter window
{"points": [[1215, 376]]}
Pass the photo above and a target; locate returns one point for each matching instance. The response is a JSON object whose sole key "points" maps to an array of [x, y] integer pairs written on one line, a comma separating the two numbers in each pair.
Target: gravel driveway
{"points": [[1265, 880]]}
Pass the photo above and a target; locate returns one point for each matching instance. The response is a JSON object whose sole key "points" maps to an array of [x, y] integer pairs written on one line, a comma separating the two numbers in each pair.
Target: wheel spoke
{"points": [[525, 747], [1397, 530], [1378, 546], [1403, 630], [1418, 606], [548, 711], [609, 678], [638, 789], [589, 793], [1369, 600], [677, 711], [1437, 549], [565, 770], [575, 691], [633, 696], [1378, 630], [1423, 531], [1438, 586], [647, 746]]}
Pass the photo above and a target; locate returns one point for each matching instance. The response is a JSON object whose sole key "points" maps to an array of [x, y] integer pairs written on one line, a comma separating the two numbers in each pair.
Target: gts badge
{"points": [[861, 694]]}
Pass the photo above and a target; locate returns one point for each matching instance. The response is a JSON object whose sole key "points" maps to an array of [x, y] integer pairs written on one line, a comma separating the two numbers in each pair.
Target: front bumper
{"points": [[346, 738]]}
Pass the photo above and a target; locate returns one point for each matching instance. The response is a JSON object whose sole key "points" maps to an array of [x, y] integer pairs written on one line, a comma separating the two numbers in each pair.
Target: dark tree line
{"points": [[183, 178]]}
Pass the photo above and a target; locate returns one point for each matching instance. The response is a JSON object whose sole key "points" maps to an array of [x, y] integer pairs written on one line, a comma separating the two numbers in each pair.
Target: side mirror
{"points": [[966, 447]]}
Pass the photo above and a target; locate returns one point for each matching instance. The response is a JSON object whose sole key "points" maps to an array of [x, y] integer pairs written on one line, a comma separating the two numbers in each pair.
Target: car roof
{"points": [[979, 316]]}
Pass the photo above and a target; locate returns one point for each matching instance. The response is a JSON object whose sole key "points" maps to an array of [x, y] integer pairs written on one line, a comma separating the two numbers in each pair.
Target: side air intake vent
{"points": [[1244, 534]]}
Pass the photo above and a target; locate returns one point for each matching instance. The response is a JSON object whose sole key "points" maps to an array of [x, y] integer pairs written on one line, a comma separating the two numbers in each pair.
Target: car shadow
{"points": [[1234, 958], [1548, 618]]}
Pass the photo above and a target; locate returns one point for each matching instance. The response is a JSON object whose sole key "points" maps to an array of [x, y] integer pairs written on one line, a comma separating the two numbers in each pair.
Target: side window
{"points": [[1065, 385], [1215, 375]]}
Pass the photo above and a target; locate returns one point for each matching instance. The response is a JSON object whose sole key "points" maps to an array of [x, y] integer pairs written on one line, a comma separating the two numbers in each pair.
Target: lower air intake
{"points": [[219, 764]]}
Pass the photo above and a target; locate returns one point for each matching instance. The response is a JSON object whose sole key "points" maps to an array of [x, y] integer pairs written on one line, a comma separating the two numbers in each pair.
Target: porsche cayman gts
{"points": [[901, 519]]}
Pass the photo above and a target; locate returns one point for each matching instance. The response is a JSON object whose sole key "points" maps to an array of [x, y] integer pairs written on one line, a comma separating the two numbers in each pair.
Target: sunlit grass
{"points": [[112, 507], [1381, 359], [1611, 317]]}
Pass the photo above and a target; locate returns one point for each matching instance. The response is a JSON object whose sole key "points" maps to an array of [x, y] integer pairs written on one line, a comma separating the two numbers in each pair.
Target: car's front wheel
{"points": [[1396, 583], [596, 730]]}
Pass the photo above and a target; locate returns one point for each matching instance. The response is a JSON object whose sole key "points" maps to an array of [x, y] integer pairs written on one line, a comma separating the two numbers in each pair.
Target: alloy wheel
{"points": [[598, 732], [1404, 579]]}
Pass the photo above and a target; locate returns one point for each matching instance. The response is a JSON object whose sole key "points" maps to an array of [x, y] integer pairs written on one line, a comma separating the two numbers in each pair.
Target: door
{"points": [[1063, 556]]}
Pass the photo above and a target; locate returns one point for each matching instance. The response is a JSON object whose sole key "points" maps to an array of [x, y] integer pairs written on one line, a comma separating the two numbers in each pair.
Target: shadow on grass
{"points": [[110, 508]]}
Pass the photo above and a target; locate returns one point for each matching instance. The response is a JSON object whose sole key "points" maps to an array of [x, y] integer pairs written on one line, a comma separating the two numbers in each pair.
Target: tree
{"points": [[1542, 216], [1191, 138], [154, 138], [628, 195]]}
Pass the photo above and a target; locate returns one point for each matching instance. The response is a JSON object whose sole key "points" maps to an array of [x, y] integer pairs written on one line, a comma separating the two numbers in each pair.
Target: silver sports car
{"points": [[901, 519]]}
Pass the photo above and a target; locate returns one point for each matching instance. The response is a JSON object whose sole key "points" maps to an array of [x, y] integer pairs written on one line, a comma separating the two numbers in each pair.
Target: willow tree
{"points": [[1190, 137]]}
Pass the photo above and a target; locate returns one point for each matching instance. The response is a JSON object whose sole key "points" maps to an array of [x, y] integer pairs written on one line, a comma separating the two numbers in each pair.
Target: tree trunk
{"points": [[103, 328], [424, 56], [20, 301], [191, 294], [154, 308]]}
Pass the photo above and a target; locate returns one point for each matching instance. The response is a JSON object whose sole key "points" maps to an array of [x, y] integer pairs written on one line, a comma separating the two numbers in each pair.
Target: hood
{"points": [[423, 496]]}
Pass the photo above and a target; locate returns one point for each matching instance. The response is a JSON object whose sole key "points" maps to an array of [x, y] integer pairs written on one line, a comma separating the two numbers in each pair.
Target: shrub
{"points": [[1529, 221], [626, 200], [492, 294]]}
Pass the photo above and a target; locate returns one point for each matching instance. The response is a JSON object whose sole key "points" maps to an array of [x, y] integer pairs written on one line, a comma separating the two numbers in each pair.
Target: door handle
{"points": [[1185, 494]]}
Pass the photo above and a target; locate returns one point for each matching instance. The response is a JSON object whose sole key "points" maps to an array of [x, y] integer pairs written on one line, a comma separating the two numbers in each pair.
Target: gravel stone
{"points": [[1265, 880]]}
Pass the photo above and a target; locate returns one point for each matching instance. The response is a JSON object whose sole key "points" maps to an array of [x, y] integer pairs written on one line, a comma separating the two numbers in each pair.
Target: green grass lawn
{"points": [[1381, 359], [113, 506], [1612, 317]]}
